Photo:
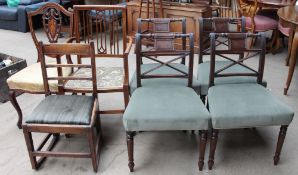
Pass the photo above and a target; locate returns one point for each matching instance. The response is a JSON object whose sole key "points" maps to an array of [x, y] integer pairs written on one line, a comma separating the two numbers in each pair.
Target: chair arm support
{"points": [[129, 45], [71, 39]]}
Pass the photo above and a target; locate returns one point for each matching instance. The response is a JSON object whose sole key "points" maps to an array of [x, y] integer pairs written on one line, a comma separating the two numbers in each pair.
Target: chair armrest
{"points": [[128, 48], [22, 19]]}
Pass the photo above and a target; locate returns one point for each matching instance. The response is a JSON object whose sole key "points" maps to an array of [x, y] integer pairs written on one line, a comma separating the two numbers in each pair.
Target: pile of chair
{"points": [[164, 93]]}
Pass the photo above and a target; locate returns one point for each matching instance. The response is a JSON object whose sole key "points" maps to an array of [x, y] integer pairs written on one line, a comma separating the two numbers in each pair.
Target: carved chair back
{"points": [[217, 25], [53, 17], [70, 49], [105, 25], [163, 49], [237, 43]]}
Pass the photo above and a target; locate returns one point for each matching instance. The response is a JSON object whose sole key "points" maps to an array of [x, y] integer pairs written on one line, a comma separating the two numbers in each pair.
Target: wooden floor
{"points": [[160, 153]]}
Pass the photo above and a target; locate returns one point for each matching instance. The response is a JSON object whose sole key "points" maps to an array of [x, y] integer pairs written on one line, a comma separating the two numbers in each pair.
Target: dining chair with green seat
{"points": [[219, 25], [162, 26], [165, 107], [245, 105], [61, 112]]}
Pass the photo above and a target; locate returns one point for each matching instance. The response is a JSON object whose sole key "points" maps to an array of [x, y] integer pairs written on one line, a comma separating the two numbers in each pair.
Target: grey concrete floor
{"points": [[244, 152]]}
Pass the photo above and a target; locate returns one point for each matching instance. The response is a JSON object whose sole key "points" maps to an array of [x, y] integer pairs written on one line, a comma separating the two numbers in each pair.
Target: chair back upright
{"points": [[217, 25], [162, 51], [55, 21], [237, 43], [69, 49]]}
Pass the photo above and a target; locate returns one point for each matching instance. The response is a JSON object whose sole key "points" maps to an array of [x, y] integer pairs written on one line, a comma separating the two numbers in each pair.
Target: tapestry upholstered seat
{"points": [[107, 77], [164, 70], [63, 109], [204, 72], [165, 108]]}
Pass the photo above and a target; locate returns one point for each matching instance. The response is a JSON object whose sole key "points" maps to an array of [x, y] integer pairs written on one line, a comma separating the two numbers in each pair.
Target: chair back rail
{"points": [[53, 18], [58, 49], [216, 25], [237, 44], [164, 46]]}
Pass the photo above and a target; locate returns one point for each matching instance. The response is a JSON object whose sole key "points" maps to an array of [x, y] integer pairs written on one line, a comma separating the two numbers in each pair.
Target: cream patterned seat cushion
{"points": [[107, 77], [30, 79]]}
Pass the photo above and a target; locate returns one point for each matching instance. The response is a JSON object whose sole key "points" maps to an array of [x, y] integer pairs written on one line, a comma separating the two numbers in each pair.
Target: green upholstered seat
{"points": [[246, 105], [63, 109], [204, 72], [154, 82], [165, 108]]}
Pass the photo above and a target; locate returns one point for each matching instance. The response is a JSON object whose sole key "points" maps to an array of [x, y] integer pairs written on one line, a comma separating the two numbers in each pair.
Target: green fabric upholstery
{"points": [[165, 108], [246, 105], [156, 82], [13, 3], [204, 72], [63, 109]]}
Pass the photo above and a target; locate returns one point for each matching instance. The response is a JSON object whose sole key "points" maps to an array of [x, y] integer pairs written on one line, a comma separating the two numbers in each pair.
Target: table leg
{"points": [[293, 59]]}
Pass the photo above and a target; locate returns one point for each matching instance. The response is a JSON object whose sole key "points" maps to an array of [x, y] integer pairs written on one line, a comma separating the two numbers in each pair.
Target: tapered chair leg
{"points": [[14, 102], [130, 145], [213, 143], [30, 148], [203, 142], [92, 144], [280, 142]]}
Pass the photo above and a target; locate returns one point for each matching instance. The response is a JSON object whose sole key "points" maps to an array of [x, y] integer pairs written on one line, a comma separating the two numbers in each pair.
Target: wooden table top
{"points": [[289, 14], [274, 3]]}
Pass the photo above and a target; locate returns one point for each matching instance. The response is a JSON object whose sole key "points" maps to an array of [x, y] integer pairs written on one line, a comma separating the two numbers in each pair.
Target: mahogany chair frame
{"points": [[93, 130], [52, 14], [238, 45], [164, 46], [102, 47], [162, 25], [216, 25]]}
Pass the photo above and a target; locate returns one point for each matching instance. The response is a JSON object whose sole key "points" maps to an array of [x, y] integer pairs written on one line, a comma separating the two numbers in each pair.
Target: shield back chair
{"points": [[162, 26], [245, 105], [60, 113], [256, 22], [111, 43], [219, 25], [166, 107], [29, 80]]}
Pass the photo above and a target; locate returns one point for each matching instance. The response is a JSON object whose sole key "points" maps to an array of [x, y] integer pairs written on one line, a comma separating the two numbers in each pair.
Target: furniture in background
{"points": [[225, 8], [59, 113], [155, 108], [16, 18], [191, 11], [288, 17], [5, 72], [111, 42], [243, 105], [29, 80]]}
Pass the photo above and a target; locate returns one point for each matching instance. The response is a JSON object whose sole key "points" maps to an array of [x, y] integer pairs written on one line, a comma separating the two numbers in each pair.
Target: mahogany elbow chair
{"points": [[245, 105]]}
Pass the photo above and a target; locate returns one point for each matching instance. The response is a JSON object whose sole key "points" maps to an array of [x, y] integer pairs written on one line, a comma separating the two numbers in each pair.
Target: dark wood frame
{"points": [[93, 130], [127, 44], [152, 54], [57, 28], [259, 74]]}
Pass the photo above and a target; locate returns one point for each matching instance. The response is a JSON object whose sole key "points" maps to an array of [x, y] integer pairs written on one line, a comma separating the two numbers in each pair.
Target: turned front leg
{"points": [[130, 143]]}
